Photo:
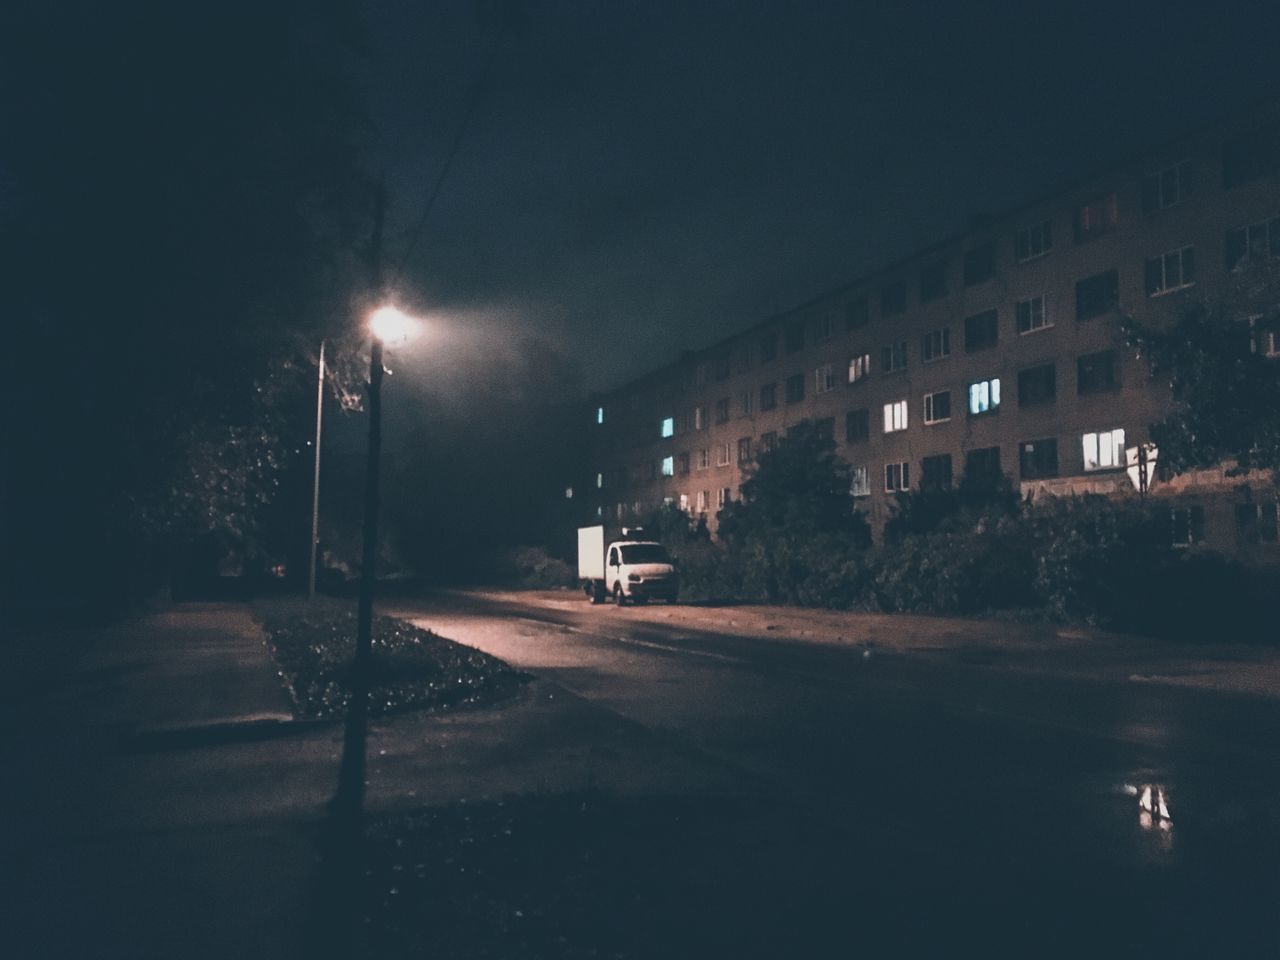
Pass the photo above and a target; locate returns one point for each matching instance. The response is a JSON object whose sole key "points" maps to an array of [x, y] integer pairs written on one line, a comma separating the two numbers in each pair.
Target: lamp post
{"points": [[315, 484]]}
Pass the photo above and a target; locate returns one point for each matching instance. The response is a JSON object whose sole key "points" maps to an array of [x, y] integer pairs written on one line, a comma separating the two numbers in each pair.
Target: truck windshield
{"points": [[643, 553]]}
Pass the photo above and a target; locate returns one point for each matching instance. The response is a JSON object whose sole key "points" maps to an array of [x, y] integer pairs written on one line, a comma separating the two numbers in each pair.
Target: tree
{"points": [[1226, 390], [795, 528]]}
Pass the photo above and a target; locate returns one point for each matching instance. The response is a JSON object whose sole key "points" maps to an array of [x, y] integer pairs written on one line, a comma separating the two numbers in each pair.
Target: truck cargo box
{"points": [[591, 553]]}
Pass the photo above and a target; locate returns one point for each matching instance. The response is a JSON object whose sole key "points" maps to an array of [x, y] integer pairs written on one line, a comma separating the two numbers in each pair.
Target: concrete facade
{"points": [[1030, 299]]}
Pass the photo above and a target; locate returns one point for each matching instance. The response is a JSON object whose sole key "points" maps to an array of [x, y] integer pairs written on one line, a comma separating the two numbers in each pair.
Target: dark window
{"points": [[935, 472], [1097, 217], [982, 466], [1034, 241], [981, 331], [1186, 525], [682, 463], [768, 346], [768, 440], [1038, 458], [937, 406], [1257, 522], [980, 264], [768, 396], [795, 388], [893, 357], [795, 336], [1097, 294], [933, 281], [935, 344], [744, 450], [1256, 241], [857, 426], [1166, 187], [857, 314], [722, 410], [825, 428], [1170, 271], [893, 298], [1097, 372], [1250, 155], [720, 366], [1037, 385]]}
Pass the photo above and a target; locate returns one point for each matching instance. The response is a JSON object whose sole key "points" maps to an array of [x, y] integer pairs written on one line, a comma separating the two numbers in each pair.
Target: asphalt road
{"points": [[957, 806]]}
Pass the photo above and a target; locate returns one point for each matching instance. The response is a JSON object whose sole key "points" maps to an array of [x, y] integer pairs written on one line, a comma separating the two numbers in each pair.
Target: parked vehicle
{"points": [[629, 569]]}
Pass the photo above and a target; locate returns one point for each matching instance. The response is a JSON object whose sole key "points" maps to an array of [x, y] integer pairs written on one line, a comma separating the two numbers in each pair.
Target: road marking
{"points": [[670, 649]]}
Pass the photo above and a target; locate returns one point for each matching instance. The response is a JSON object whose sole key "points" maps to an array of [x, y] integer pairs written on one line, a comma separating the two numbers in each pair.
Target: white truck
{"points": [[630, 569]]}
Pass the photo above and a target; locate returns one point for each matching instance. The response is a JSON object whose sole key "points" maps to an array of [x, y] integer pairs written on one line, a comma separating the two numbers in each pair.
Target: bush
{"points": [[532, 568]]}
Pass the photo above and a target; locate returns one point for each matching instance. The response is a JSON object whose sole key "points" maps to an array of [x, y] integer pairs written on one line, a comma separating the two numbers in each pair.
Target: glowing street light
{"points": [[393, 327]]}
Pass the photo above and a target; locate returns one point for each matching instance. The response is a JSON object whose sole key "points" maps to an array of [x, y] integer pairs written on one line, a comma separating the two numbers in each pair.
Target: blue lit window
{"points": [[669, 427], [984, 396]]}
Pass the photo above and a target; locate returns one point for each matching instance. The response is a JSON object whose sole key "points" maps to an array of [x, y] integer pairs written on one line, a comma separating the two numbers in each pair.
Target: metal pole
{"points": [[315, 486]]}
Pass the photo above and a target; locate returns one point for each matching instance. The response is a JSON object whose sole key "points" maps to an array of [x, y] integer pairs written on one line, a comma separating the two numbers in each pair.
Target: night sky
{"points": [[634, 179]]}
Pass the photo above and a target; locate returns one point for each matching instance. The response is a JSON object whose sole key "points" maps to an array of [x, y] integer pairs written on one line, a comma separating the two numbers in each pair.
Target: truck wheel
{"points": [[595, 592], [618, 597]]}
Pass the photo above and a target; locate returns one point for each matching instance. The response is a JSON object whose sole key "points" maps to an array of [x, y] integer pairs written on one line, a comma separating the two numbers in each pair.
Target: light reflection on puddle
{"points": [[1154, 816]]}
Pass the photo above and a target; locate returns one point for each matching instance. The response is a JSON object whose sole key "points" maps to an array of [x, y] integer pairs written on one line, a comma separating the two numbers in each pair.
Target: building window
{"points": [[599, 481], [984, 396], [824, 379], [1097, 372], [1038, 458], [1097, 295], [935, 344], [1257, 522], [1037, 385], [682, 464], [893, 298], [702, 499], [982, 465], [744, 450], [599, 414], [859, 482], [897, 476], [1186, 525], [724, 497], [699, 418], [981, 331], [937, 406], [1264, 337], [825, 428], [857, 426], [668, 426], [1256, 241], [794, 336], [768, 441], [720, 366], [1033, 241], [857, 314], [1166, 187], [1250, 156], [935, 472], [769, 346], [933, 281], [895, 416], [859, 367], [1103, 450], [684, 503], [744, 359], [668, 466], [704, 458], [1171, 271], [822, 328], [769, 396], [744, 403], [1032, 315], [722, 410], [893, 357], [722, 454], [794, 389], [980, 264], [1097, 217], [652, 467]]}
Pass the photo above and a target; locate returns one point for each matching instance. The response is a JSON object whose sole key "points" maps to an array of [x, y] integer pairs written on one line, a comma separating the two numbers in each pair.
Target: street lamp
{"points": [[391, 326]]}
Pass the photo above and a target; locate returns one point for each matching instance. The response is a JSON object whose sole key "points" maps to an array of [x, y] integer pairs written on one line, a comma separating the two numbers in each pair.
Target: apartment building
{"points": [[994, 351]]}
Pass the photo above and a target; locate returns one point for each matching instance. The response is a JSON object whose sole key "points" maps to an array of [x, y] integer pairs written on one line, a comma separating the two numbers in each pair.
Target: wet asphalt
{"points": [[954, 806]]}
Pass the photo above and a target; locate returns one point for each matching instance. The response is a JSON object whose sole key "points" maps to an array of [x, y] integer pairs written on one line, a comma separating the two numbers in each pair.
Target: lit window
{"points": [[1104, 450], [684, 502], [860, 483], [1171, 271], [599, 481], [668, 426], [1035, 241], [895, 416], [859, 367], [823, 379], [897, 476], [1032, 315], [937, 406], [702, 501], [599, 414], [984, 396], [699, 418]]}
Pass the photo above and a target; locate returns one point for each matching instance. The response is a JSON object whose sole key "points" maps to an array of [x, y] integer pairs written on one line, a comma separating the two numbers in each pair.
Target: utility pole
{"points": [[315, 484]]}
